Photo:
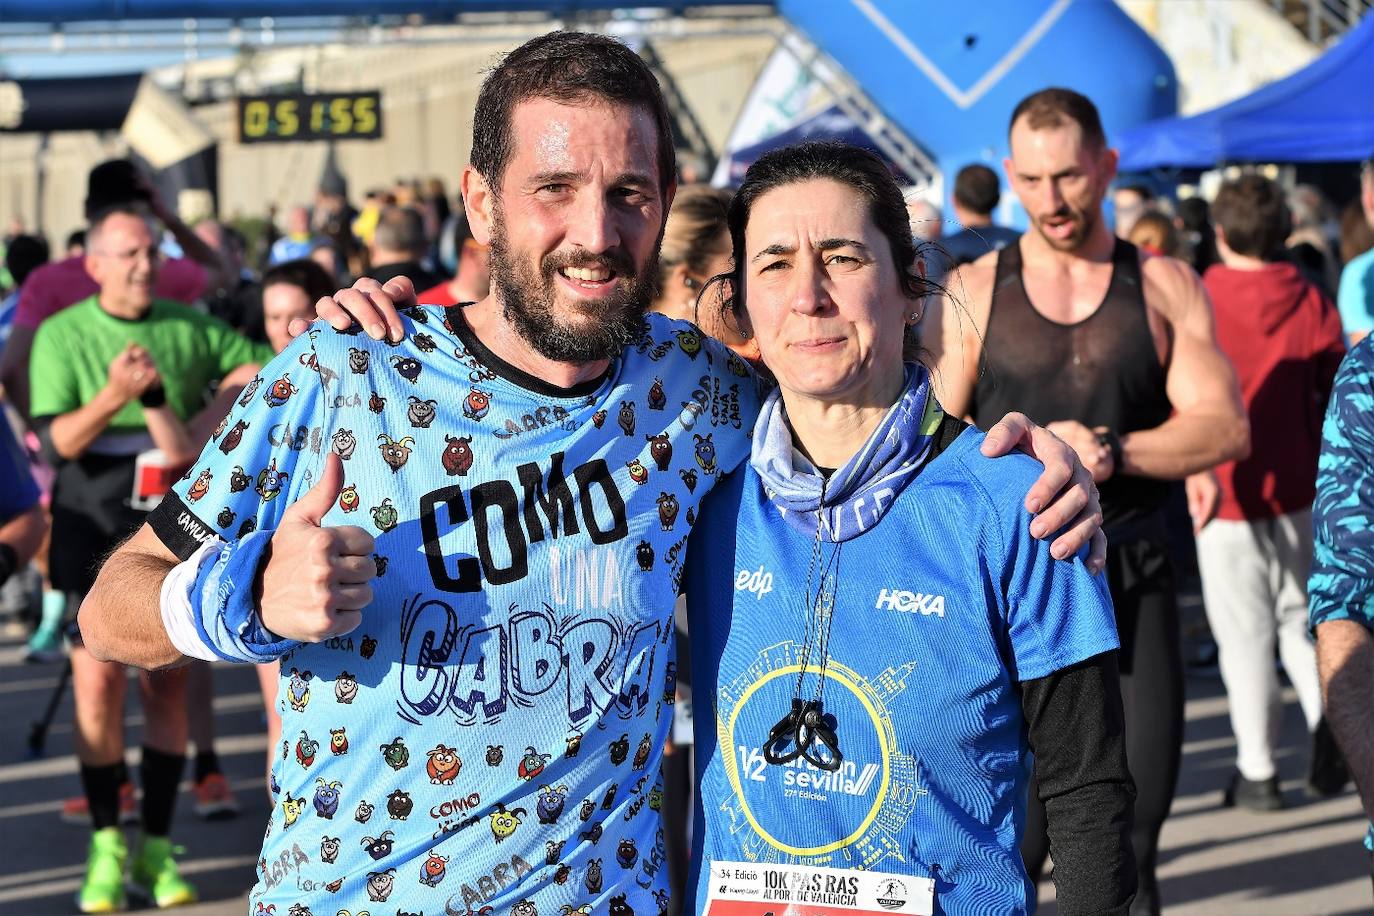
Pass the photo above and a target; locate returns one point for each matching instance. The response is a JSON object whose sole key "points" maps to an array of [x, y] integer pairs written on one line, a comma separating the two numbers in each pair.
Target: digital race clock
{"points": [[285, 118]]}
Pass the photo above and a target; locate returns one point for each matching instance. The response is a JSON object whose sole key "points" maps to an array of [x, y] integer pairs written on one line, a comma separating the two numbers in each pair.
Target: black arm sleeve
{"points": [[1077, 732]]}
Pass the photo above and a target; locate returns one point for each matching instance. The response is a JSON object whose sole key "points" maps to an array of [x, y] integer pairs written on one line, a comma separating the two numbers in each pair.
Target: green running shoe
{"points": [[154, 873], [102, 891]]}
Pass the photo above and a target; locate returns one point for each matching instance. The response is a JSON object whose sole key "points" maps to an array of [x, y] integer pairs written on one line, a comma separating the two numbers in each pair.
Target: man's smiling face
{"points": [[576, 226]]}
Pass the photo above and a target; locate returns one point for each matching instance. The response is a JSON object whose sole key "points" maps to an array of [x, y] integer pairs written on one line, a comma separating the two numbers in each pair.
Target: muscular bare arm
{"points": [[952, 333], [121, 618], [1345, 662], [1209, 425]]}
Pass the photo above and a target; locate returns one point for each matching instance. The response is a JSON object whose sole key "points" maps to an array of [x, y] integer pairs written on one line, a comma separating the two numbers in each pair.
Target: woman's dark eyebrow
{"points": [[823, 245], [775, 248], [832, 244]]}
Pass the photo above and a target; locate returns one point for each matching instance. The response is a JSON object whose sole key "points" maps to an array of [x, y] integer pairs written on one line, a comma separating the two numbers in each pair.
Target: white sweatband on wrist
{"points": [[178, 612]]}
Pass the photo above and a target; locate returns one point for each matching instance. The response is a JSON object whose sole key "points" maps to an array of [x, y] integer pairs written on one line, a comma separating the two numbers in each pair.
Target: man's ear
{"points": [[1221, 239], [1109, 162], [92, 265], [479, 200]]}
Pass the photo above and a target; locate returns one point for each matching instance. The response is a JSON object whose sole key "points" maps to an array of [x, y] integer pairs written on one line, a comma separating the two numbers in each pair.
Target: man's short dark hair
{"points": [[1254, 216], [1055, 106], [304, 274], [400, 229], [976, 188], [570, 68]]}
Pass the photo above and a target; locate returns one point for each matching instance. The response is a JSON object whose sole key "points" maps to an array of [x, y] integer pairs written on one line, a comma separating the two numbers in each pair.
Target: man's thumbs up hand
{"points": [[315, 580]]}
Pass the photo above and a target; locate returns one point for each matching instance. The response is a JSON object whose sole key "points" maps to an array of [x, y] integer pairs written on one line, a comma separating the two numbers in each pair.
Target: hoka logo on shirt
{"points": [[910, 602], [806, 781]]}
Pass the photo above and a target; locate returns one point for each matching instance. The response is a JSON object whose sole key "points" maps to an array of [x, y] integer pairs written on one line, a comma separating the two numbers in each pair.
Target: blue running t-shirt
{"points": [[491, 733], [940, 610]]}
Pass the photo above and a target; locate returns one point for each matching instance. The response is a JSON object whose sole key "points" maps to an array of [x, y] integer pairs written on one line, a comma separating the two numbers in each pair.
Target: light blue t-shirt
{"points": [[1355, 298], [941, 609], [491, 733]]}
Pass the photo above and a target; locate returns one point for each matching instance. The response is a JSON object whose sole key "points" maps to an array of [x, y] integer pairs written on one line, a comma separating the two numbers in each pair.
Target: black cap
{"points": [[113, 183]]}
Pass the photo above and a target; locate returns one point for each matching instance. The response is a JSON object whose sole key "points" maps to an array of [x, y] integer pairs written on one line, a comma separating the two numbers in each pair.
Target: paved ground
{"points": [[1305, 860]]}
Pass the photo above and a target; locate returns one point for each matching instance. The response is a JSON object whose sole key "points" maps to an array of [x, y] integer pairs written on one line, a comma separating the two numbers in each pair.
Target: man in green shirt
{"points": [[117, 381]]}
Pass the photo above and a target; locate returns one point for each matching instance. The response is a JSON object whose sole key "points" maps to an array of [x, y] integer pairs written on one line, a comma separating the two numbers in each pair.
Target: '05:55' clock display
{"points": [[286, 118]]}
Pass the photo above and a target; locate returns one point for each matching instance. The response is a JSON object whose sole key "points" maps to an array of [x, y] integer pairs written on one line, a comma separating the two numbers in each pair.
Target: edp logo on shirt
{"points": [[759, 582]]}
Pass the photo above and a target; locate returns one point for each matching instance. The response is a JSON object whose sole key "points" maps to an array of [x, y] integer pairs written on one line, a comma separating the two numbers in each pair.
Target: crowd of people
{"points": [[583, 451]]}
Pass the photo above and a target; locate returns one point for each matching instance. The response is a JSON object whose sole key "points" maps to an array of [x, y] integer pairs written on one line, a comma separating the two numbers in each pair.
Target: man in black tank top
{"points": [[1116, 353]]}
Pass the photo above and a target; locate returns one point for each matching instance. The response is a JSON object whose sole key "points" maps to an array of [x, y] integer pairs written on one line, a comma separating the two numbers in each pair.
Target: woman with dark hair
{"points": [[877, 755]]}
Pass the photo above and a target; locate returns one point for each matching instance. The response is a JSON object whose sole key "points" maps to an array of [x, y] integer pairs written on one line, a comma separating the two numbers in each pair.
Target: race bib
{"points": [[758, 889], [153, 477]]}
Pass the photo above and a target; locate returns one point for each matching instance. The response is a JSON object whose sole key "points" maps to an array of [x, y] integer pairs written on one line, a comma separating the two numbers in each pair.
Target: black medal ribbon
{"points": [[808, 731], [798, 733]]}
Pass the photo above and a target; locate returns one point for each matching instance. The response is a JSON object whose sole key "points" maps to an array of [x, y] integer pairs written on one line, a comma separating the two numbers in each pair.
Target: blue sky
{"points": [[28, 66]]}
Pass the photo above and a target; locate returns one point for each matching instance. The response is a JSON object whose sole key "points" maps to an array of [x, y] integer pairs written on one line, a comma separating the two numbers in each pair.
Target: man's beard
{"points": [[528, 302], [1085, 221]]}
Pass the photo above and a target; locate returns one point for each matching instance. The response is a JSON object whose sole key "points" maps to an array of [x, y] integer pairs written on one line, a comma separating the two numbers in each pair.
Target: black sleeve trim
{"points": [[1077, 732], [178, 527]]}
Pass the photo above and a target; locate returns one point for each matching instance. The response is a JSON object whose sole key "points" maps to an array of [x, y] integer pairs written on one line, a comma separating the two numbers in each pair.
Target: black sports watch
{"points": [[153, 397], [1112, 442]]}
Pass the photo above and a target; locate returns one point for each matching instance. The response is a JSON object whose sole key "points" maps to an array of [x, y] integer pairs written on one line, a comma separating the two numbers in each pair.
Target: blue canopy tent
{"points": [[830, 124], [1322, 113]]}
